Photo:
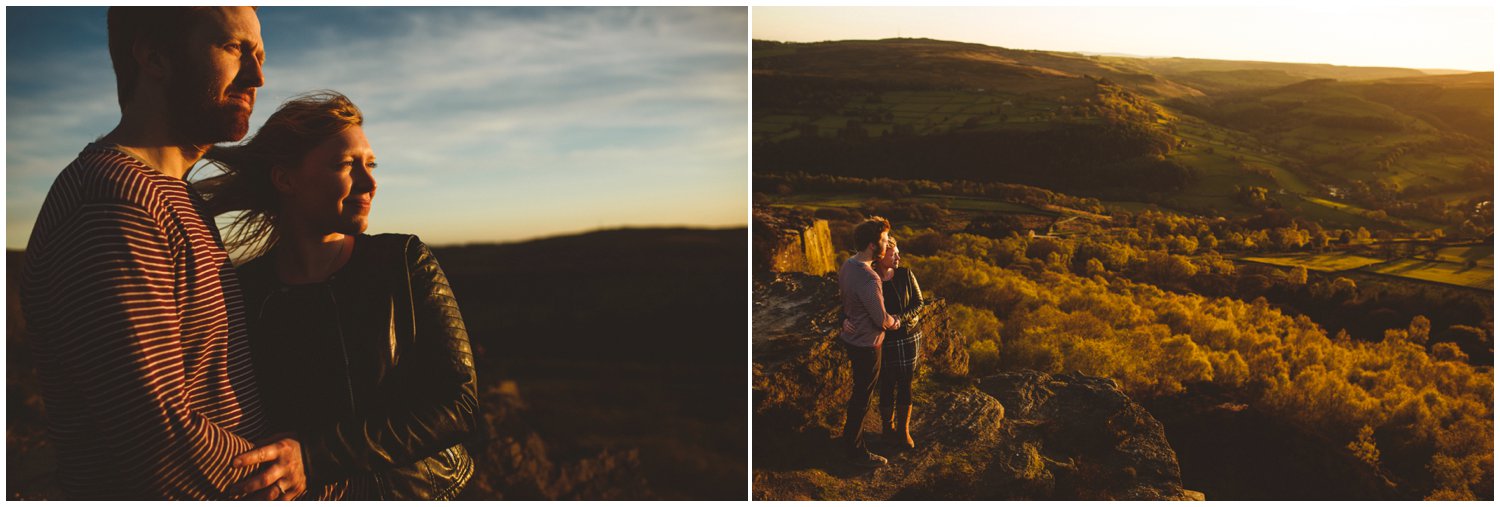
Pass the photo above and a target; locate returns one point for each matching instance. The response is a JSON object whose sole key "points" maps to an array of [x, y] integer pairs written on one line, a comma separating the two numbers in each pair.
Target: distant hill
{"points": [[1353, 146], [1250, 74], [628, 346]]}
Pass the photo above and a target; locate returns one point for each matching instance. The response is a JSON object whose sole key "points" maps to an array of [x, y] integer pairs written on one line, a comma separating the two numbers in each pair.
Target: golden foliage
{"points": [[1155, 342]]}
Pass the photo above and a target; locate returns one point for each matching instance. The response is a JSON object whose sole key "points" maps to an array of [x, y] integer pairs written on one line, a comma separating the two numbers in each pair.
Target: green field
{"points": [[1324, 262], [1479, 277], [824, 200], [1481, 255], [1448, 266], [948, 202]]}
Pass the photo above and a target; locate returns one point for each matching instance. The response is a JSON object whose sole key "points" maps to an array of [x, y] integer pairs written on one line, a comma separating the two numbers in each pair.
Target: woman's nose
{"points": [[364, 179]]}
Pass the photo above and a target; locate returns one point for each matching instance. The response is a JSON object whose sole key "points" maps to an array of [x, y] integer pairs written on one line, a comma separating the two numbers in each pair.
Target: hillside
{"points": [[1381, 148], [606, 367]]}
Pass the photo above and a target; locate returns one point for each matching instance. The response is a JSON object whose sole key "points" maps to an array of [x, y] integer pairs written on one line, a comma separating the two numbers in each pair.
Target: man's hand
{"points": [[281, 478], [895, 323]]}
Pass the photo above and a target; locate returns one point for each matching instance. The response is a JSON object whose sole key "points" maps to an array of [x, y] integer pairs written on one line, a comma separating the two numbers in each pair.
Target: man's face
{"points": [[211, 88]]}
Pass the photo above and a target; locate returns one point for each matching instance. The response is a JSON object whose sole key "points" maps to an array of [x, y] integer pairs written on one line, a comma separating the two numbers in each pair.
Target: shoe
{"points": [[902, 434], [898, 441], [869, 459]]}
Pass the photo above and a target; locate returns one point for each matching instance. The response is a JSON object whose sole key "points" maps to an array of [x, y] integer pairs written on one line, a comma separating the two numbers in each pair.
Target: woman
{"points": [[902, 346], [359, 348]]}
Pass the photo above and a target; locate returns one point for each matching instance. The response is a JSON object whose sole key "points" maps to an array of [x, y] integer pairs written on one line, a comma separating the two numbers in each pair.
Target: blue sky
{"points": [[491, 124]]}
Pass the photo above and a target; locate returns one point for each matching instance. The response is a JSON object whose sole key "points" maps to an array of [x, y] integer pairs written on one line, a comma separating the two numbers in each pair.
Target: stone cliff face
{"points": [[1011, 436], [787, 241]]}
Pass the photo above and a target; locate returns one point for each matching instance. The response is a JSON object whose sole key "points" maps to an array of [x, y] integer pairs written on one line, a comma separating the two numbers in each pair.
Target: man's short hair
{"points": [[163, 28], [869, 232]]}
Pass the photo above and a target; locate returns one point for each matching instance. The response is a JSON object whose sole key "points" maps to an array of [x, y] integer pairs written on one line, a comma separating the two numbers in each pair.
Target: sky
{"points": [[1458, 38], [490, 124]]}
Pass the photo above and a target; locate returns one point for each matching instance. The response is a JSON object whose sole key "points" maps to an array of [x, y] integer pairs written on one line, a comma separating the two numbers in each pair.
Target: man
{"points": [[138, 327], [864, 309]]}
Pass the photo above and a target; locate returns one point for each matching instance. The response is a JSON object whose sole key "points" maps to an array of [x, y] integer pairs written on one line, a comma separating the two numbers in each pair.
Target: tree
{"points": [[1420, 330], [1345, 287], [1297, 276]]}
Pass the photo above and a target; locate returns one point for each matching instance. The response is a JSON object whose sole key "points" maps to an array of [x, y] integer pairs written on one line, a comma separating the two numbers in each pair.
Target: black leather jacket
{"points": [[371, 368], [903, 298]]}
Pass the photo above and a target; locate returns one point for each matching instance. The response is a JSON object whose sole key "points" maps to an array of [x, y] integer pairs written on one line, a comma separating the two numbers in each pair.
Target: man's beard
{"points": [[197, 117]]}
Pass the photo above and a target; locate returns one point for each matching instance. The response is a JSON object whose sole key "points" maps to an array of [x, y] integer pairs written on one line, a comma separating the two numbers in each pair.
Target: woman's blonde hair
{"points": [[298, 126]]}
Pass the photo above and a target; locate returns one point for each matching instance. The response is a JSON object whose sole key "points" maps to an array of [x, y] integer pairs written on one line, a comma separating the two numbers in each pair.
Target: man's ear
{"points": [[281, 178], [153, 63]]}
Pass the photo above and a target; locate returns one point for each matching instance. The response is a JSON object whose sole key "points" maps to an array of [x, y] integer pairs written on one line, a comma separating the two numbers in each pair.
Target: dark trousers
{"points": [[865, 363], [895, 394]]}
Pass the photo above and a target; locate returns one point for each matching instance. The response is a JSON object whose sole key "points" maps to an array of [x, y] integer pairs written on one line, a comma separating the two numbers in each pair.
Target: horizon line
{"points": [[554, 235], [1129, 55]]}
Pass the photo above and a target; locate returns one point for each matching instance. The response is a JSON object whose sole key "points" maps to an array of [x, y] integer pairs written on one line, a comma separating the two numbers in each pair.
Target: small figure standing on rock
{"points": [[864, 309], [902, 346]]}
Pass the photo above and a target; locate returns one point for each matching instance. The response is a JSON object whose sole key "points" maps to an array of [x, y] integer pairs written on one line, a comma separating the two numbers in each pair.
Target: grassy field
{"points": [[949, 202], [1221, 165], [1481, 255], [1449, 266], [1324, 262], [1332, 213], [1452, 273]]}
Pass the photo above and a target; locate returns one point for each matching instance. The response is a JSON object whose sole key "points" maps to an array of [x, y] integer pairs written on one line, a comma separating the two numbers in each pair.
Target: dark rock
{"points": [[801, 375], [1011, 436]]}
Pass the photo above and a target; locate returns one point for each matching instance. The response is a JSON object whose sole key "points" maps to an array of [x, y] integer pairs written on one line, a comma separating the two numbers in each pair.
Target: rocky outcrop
{"points": [[1012, 436], [788, 241], [800, 375]]}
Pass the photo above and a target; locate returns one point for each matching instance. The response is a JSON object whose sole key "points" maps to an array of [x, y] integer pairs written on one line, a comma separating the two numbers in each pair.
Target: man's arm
{"points": [[121, 340], [872, 298]]}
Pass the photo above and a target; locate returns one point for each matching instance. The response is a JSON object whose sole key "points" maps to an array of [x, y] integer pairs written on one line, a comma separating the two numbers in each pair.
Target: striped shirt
{"points": [[139, 333], [859, 289]]}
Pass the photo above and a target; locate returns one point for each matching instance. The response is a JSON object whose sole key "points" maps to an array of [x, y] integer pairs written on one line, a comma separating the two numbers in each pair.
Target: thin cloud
{"points": [[500, 112]]}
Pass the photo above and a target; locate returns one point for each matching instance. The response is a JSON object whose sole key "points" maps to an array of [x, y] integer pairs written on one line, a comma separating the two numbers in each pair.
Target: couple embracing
{"points": [[335, 364], [881, 300]]}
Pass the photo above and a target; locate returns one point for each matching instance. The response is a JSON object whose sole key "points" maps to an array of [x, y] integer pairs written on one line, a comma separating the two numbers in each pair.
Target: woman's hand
{"points": [[848, 327], [283, 477]]}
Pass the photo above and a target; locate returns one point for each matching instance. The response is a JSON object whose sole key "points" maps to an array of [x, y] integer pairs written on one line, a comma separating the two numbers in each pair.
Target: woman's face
{"points": [[332, 190], [892, 258]]}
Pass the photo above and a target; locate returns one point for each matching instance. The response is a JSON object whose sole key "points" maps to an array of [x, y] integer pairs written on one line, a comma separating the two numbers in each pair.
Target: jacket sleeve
{"points": [[120, 345], [914, 302], [438, 390]]}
